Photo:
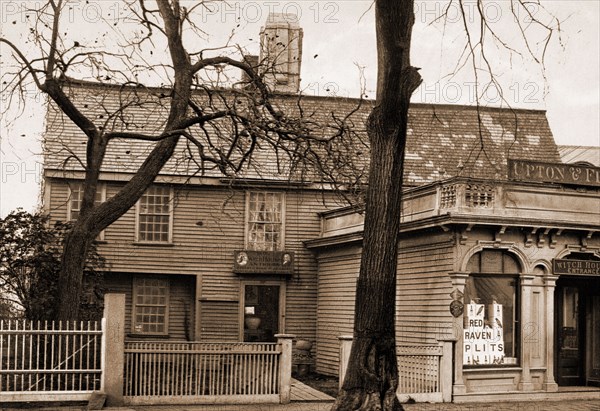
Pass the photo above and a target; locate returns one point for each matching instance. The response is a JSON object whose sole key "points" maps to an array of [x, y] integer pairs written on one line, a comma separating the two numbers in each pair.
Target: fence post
{"points": [[345, 347], [113, 353], [446, 368], [285, 366]]}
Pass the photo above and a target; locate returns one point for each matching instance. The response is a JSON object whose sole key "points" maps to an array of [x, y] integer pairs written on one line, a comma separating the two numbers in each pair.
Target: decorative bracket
{"points": [[542, 238], [529, 237], [584, 240], [463, 236], [498, 236], [553, 238]]}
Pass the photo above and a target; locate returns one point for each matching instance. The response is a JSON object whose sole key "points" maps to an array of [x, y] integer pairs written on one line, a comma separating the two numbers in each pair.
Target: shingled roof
{"points": [[443, 140]]}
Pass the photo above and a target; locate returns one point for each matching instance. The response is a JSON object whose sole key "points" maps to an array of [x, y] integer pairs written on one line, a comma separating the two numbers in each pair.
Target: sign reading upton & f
{"points": [[576, 267], [522, 170]]}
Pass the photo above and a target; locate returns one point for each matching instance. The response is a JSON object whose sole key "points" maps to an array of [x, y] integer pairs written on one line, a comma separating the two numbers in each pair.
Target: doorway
{"points": [[263, 304], [577, 322]]}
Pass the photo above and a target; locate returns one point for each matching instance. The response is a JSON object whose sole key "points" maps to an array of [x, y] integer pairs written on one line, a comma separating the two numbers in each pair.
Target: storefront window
{"points": [[491, 310]]}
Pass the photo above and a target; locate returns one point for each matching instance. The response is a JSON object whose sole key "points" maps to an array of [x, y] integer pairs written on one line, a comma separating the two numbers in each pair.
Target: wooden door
{"points": [[569, 345], [593, 340]]}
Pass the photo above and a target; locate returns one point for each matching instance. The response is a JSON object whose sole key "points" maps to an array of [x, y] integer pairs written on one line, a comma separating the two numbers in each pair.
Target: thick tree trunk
{"points": [[75, 250], [372, 376]]}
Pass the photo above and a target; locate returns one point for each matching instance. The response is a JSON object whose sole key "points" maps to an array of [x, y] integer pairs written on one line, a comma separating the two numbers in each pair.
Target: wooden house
{"points": [[213, 258]]}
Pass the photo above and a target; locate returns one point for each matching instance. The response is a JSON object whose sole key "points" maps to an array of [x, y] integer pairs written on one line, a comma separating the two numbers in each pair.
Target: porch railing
{"points": [[159, 372], [49, 360]]}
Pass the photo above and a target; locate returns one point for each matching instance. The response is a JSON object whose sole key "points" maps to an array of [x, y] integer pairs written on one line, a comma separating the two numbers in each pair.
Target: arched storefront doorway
{"points": [[577, 324]]}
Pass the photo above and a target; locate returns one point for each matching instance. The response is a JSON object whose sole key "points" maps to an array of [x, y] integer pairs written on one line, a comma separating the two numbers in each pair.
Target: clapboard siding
{"points": [[424, 262], [220, 321], [181, 298], [208, 226], [338, 271], [423, 288]]}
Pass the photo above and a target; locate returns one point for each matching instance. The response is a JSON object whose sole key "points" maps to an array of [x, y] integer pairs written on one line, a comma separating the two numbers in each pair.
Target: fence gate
{"points": [[49, 361], [425, 372]]}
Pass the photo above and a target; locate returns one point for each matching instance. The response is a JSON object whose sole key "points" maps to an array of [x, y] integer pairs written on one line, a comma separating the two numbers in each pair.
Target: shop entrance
{"points": [[577, 322]]}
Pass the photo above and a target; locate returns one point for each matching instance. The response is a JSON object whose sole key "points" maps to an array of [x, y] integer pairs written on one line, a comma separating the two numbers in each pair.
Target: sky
{"points": [[339, 58]]}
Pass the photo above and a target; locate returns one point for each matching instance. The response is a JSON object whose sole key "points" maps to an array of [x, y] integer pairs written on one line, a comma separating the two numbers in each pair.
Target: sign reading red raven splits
{"points": [[576, 267], [522, 170], [263, 262]]}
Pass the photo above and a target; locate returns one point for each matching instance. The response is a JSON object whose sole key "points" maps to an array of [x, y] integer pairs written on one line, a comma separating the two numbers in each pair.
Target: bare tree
{"points": [[372, 375], [371, 379], [219, 129]]}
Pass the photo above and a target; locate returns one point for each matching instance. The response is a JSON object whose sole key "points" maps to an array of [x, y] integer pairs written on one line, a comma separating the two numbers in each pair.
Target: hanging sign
{"points": [[263, 262], [576, 267]]}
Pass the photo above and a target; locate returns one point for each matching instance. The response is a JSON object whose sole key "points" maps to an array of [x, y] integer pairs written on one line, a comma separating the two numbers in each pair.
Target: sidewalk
{"points": [[579, 405]]}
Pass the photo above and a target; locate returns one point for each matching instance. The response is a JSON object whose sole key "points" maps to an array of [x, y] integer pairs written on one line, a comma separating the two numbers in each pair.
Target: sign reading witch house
{"points": [[576, 267], [482, 344]]}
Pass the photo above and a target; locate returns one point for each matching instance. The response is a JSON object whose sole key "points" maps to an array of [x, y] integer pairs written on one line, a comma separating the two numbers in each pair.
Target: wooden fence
{"points": [[60, 361], [425, 371], [49, 360], [192, 372], [419, 372]]}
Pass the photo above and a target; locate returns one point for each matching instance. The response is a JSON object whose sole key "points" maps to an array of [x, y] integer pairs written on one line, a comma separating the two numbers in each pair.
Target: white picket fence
{"points": [[193, 372], [68, 361], [50, 361]]}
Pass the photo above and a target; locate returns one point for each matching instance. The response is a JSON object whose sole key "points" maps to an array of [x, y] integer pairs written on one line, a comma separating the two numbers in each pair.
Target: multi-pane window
{"points": [[265, 221], [150, 305], [154, 215], [76, 198]]}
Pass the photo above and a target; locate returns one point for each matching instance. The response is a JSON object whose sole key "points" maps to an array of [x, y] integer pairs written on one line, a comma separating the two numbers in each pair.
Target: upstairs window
{"points": [[265, 223], [155, 215], [76, 198]]}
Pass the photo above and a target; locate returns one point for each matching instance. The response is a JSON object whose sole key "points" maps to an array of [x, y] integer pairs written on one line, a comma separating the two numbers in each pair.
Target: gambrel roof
{"points": [[443, 140]]}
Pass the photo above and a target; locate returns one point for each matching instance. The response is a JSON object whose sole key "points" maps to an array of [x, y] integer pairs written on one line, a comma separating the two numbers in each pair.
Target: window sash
{"points": [[265, 221], [154, 215], [150, 306], [76, 198]]}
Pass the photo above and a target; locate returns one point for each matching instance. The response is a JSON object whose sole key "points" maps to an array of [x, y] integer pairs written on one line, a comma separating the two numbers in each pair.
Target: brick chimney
{"points": [[281, 52]]}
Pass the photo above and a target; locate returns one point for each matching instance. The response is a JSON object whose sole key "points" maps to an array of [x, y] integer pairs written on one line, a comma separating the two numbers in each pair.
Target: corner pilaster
{"points": [[526, 283], [550, 384], [459, 280]]}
